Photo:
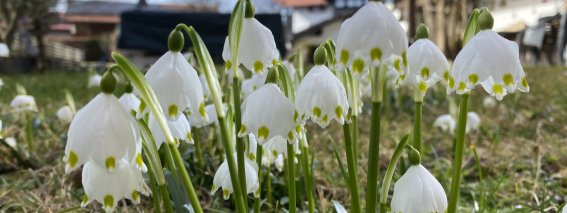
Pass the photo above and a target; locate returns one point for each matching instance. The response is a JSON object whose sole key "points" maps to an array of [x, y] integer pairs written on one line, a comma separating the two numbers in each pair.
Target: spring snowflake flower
{"points": [[222, 179], [427, 66], [24, 103], [180, 129], [417, 191], [205, 85], [130, 101], [198, 122], [267, 113], [109, 187], [275, 152], [473, 121], [4, 50], [321, 97], [253, 83], [446, 123], [11, 141], [358, 45], [257, 50], [65, 114], [176, 85], [490, 60], [1, 83], [102, 131], [94, 81], [489, 102]]}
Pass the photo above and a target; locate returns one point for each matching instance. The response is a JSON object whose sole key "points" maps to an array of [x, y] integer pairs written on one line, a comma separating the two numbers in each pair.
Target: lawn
{"points": [[520, 149]]}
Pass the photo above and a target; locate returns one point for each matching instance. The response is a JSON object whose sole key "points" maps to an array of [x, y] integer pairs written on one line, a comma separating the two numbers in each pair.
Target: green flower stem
{"points": [[153, 187], [373, 154], [257, 199], [352, 176], [185, 178], [291, 178], [459, 149], [240, 145], [308, 177], [269, 185], [208, 68], [198, 149], [165, 198], [390, 172], [354, 126], [417, 126], [29, 131]]}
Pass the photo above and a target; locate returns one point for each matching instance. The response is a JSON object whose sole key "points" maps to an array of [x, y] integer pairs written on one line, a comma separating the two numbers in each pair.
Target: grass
{"points": [[520, 146]]}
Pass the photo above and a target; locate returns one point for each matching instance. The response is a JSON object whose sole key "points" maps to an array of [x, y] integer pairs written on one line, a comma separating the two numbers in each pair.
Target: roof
{"points": [[301, 3], [102, 19]]}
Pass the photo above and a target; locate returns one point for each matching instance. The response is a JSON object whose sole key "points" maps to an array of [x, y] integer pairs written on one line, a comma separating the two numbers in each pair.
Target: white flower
{"points": [[427, 65], [1, 83], [130, 102], [564, 209], [256, 81], [109, 187], [102, 131], [1, 130], [290, 68], [11, 141], [321, 97], [275, 150], [396, 71], [4, 50], [94, 81], [267, 113], [205, 85], [65, 114], [176, 85], [446, 123], [490, 60], [339, 208], [180, 129], [24, 103], [489, 102], [417, 191], [257, 50], [222, 179], [198, 122], [369, 36], [473, 121]]}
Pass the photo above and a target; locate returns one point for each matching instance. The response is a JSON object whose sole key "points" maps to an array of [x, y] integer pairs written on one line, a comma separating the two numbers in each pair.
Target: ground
{"points": [[520, 146]]}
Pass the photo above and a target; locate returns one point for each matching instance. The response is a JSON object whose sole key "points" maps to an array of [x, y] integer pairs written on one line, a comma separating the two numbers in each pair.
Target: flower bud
{"points": [[129, 88], [485, 19], [413, 155], [422, 32], [175, 41], [320, 56], [108, 82], [250, 10]]}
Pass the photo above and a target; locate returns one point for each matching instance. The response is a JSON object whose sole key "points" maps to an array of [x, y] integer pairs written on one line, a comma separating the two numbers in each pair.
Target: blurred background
{"points": [[41, 35]]}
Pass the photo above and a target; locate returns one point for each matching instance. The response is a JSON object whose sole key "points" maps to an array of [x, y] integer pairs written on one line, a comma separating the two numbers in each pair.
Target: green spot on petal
{"points": [[462, 86], [251, 156], [142, 106], [172, 111], [405, 58], [242, 129], [446, 75], [498, 89], [274, 153], [189, 137], [108, 201], [345, 55], [225, 194], [139, 160], [451, 82], [325, 119], [258, 67], [425, 72], [525, 82], [376, 54], [263, 132], [290, 135], [228, 65], [295, 115], [422, 86], [135, 195], [110, 163], [202, 111], [339, 111], [85, 199], [397, 65], [317, 111], [72, 159], [473, 78], [508, 79], [358, 65], [298, 128]]}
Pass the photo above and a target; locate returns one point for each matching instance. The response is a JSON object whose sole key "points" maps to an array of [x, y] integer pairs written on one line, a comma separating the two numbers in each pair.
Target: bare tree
{"points": [[11, 12]]}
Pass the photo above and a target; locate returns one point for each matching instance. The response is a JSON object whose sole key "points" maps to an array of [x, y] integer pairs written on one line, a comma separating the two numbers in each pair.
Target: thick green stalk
{"points": [[354, 126], [269, 185], [373, 154], [198, 149], [308, 177], [165, 198], [185, 178], [291, 178], [240, 145], [226, 140], [459, 149], [153, 186], [353, 183], [257, 199], [417, 126], [29, 132]]}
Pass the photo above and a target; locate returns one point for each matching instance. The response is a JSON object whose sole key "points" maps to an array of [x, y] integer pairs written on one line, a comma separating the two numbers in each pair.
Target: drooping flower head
{"points": [[448, 124], [130, 101], [222, 179], [372, 34], [65, 114], [94, 80], [180, 129], [267, 113], [490, 60], [24, 103]]}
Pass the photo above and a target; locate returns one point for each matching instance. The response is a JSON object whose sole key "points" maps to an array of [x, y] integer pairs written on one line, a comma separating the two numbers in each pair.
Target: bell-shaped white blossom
{"points": [[109, 187], [1, 83], [130, 102], [24, 103], [446, 123], [427, 65], [257, 50], [490, 60], [339, 208], [65, 114], [396, 71], [489, 102], [564, 209], [4, 50], [267, 113], [322, 97], [180, 129], [253, 83], [205, 85], [102, 131], [176, 85], [11, 141], [417, 191], [94, 81], [222, 179], [198, 122], [473, 121], [372, 34]]}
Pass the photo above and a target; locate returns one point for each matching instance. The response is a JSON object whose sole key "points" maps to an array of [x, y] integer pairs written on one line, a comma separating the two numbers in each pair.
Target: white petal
{"points": [[446, 123], [253, 83], [473, 121], [180, 129], [23, 103], [339, 207], [417, 191], [4, 50], [94, 81], [130, 102], [488, 102], [425, 62], [197, 121], [267, 113], [321, 97], [222, 178], [64, 114]]}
